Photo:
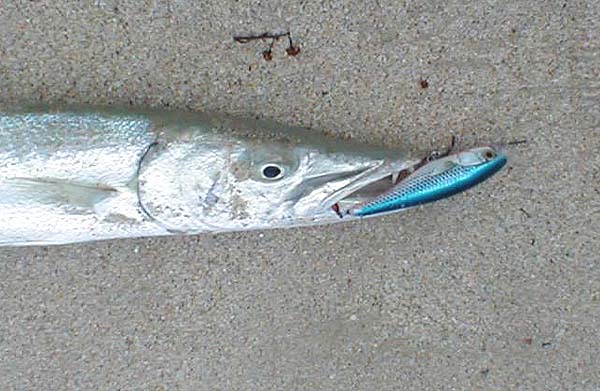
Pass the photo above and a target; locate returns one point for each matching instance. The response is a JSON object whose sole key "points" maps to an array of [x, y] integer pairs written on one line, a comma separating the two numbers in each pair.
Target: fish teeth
{"points": [[395, 176]]}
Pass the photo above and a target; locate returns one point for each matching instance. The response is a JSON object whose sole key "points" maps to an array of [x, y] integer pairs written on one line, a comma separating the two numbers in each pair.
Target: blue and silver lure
{"points": [[436, 180]]}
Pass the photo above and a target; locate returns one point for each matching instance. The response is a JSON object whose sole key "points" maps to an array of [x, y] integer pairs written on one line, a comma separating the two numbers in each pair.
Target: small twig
{"points": [[291, 50], [259, 37], [268, 54], [517, 142]]}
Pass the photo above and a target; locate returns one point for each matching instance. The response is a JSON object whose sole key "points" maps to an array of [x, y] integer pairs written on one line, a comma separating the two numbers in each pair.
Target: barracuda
{"points": [[81, 174]]}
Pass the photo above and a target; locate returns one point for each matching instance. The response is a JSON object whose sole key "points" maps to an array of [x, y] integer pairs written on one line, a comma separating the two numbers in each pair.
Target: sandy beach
{"points": [[497, 288]]}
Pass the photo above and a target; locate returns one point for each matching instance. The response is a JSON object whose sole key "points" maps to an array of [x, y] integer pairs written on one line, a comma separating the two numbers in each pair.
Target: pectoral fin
{"points": [[63, 193]]}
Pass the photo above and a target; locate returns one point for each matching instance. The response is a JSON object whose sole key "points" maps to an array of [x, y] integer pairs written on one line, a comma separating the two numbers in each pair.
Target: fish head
{"points": [[294, 185], [219, 181]]}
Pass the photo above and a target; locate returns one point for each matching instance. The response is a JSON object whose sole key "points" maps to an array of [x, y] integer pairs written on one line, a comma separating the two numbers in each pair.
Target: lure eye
{"points": [[272, 172], [489, 154]]}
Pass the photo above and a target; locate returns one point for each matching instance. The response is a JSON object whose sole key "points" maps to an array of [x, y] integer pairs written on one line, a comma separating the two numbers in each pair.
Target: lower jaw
{"points": [[370, 191]]}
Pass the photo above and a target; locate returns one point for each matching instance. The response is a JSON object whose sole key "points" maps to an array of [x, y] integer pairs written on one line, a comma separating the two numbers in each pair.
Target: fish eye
{"points": [[272, 171]]}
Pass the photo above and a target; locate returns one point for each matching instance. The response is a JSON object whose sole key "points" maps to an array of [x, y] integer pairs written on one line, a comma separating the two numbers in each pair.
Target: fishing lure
{"points": [[436, 180]]}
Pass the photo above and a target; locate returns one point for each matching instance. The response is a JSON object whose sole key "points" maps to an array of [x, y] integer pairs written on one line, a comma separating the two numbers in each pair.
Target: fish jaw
{"points": [[332, 204]]}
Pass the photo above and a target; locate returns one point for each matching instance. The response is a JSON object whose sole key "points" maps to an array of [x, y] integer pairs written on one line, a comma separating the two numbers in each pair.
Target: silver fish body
{"points": [[74, 175]]}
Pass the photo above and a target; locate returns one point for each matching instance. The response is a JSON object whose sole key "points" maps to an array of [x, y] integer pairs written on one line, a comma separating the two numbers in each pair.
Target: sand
{"points": [[497, 288]]}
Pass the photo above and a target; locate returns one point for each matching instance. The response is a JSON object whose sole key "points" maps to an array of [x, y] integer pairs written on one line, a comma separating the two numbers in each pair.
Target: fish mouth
{"points": [[368, 185]]}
